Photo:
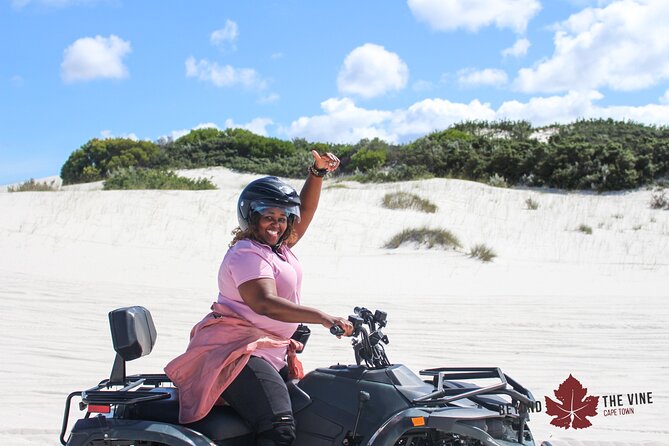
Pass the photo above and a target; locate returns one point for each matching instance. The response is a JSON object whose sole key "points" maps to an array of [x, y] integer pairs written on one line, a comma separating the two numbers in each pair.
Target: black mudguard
{"points": [[101, 428]]}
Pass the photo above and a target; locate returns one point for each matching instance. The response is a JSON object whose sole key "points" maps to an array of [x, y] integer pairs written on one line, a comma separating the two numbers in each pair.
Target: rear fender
{"points": [[102, 428]]}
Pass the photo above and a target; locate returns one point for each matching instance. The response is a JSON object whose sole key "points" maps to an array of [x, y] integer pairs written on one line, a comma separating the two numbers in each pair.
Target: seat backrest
{"points": [[133, 332]]}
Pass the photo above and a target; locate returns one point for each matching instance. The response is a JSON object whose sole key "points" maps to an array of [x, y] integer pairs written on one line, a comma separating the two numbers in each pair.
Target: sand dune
{"points": [[554, 302]]}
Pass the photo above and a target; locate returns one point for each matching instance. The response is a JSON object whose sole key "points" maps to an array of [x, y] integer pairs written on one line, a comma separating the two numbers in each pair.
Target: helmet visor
{"points": [[288, 209]]}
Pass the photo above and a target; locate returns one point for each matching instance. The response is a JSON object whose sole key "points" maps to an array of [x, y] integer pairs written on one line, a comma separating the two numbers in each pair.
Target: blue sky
{"points": [[334, 71]]}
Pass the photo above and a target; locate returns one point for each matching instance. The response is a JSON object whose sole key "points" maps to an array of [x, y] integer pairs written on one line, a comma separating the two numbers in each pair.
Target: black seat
{"points": [[221, 423]]}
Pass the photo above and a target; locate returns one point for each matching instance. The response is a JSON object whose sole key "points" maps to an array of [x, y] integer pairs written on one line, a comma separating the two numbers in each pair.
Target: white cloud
{"points": [[437, 114], [176, 134], [226, 37], [107, 134], [224, 76], [519, 48], [648, 114], [622, 46], [257, 126], [665, 98], [449, 15], [370, 70], [548, 110], [343, 121], [96, 57], [488, 76]]}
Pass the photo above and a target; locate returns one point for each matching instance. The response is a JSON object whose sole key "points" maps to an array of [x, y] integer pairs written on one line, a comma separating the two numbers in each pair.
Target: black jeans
{"points": [[259, 394]]}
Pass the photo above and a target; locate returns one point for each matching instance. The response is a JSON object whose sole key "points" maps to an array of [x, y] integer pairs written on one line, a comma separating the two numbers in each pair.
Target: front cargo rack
{"points": [[444, 394]]}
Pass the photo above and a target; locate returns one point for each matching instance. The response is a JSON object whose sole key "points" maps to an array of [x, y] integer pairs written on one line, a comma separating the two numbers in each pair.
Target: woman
{"points": [[242, 351]]}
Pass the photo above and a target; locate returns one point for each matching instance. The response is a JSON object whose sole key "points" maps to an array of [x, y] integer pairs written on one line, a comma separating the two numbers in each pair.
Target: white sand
{"points": [[554, 302]]}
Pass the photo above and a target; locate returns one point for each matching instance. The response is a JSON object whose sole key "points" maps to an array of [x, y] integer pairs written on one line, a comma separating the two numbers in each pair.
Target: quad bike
{"points": [[373, 403]]}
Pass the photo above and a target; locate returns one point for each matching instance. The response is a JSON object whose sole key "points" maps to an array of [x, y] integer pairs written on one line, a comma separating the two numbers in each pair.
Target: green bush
{"points": [[497, 181], [335, 186], [96, 159], [531, 204], [234, 148], [585, 229], [659, 200], [368, 155], [393, 174], [33, 186], [597, 154], [405, 200], [425, 237], [482, 252], [132, 178]]}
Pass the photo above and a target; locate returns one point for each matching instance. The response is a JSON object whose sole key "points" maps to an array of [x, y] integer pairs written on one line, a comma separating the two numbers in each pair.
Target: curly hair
{"points": [[289, 237]]}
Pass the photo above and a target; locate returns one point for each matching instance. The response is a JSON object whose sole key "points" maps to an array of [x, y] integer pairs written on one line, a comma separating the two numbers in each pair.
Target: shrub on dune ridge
{"points": [[96, 159], [132, 178], [482, 252], [497, 180], [336, 186], [585, 229], [33, 186], [405, 200], [531, 204], [659, 200], [427, 237], [599, 154]]}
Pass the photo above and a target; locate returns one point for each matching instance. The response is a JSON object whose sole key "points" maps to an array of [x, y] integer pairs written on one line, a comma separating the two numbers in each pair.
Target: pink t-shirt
{"points": [[248, 260]]}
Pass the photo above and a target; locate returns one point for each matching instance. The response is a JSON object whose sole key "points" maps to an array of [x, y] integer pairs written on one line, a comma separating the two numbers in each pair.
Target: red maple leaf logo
{"points": [[575, 405]]}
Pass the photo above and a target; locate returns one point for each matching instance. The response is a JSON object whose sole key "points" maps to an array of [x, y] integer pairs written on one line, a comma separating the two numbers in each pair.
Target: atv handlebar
{"points": [[337, 330], [367, 337]]}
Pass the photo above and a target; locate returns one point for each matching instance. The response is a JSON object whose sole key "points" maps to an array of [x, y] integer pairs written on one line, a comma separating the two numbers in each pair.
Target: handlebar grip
{"points": [[337, 330]]}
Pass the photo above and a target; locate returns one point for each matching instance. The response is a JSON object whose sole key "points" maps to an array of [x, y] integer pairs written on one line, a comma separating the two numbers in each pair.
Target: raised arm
{"points": [[311, 191]]}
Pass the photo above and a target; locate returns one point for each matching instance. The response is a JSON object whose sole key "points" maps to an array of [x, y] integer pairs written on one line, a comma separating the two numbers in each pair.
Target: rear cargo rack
{"points": [[124, 396]]}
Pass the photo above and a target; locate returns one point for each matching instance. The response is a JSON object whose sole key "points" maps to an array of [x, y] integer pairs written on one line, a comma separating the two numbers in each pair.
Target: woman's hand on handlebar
{"points": [[339, 326], [337, 331]]}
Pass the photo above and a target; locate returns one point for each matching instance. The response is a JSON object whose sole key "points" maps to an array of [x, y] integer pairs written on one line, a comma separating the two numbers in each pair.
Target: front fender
{"points": [[447, 420], [444, 419], [102, 428], [395, 426]]}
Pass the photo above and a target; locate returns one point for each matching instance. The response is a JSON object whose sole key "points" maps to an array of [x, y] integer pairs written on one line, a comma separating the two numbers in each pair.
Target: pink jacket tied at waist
{"points": [[219, 348]]}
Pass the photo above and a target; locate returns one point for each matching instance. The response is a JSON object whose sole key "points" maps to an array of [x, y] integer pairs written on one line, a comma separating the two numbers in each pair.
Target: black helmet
{"points": [[267, 192]]}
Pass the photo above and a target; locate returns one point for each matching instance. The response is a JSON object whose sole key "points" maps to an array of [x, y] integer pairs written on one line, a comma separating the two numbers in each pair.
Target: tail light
{"points": [[99, 408]]}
